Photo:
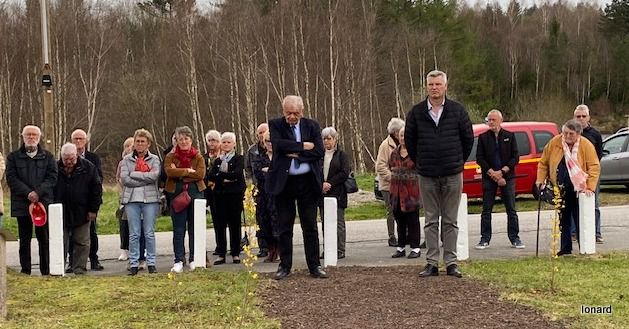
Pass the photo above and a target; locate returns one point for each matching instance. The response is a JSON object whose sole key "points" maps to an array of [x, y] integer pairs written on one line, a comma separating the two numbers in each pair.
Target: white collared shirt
{"points": [[436, 116]]}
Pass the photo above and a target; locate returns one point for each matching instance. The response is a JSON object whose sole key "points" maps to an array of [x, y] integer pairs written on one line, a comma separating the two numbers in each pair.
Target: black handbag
{"points": [[547, 193], [350, 184]]}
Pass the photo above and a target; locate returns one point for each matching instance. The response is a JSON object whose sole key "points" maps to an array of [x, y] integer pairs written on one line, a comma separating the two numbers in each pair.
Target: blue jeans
{"points": [[508, 198], [183, 221], [141, 216]]}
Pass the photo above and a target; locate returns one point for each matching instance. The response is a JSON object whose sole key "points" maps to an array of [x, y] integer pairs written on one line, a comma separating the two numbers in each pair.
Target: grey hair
{"points": [[582, 107], [31, 127], [68, 149], [293, 100], [329, 131], [228, 135], [263, 125], [79, 131], [495, 111], [212, 134], [573, 125], [394, 126], [184, 130], [437, 73]]}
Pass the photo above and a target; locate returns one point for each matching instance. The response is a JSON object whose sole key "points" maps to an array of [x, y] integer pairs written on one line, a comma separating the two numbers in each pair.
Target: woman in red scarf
{"points": [[185, 169]]}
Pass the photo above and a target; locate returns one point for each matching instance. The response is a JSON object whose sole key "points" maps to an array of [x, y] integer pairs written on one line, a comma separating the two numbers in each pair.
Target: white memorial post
{"points": [[200, 228], [587, 228], [462, 241], [55, 238], [329, 238]]}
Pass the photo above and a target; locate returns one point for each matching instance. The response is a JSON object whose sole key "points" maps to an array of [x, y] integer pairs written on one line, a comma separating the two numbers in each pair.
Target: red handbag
{"points": [[181, 201]]}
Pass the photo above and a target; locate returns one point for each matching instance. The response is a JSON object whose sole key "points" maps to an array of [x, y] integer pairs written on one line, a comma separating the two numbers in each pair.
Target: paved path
{"points": [[367, 243]]}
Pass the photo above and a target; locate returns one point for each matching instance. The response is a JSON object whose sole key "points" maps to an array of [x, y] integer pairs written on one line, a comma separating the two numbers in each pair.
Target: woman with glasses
{"points": [[570, 162]]}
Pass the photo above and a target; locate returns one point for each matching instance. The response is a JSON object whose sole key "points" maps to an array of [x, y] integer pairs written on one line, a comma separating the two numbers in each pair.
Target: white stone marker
{"points": [[200, 227], [329, 239], [55, 238], [462, 241], [587, 229]]}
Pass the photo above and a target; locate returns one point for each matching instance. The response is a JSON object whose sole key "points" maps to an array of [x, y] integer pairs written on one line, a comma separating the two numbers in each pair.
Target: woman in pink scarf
{"points": [[570, 162]]}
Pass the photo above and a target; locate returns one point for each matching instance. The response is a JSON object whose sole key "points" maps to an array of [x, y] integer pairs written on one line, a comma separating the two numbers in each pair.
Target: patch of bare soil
{"points": [[392, 297]]}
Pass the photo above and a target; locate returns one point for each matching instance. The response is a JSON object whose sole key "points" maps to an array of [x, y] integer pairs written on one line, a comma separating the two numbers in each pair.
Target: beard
{"points": [[30, 147]]}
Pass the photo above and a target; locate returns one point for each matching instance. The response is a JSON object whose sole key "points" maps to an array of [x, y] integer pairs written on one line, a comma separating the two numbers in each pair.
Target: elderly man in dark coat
{"points": [[80, 191], [31, 176]]}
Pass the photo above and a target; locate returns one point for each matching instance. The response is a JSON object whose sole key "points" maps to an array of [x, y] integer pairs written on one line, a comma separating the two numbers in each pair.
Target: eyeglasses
{"points": [[580, 116]]}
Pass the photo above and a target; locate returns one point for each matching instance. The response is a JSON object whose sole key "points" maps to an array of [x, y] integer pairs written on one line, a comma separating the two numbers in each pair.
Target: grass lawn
{"points": [[213, 299], [203, 299], [598, 280]]}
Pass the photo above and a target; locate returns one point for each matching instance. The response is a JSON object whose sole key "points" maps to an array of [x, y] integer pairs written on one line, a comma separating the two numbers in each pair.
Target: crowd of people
{"points": [[293, 165]]}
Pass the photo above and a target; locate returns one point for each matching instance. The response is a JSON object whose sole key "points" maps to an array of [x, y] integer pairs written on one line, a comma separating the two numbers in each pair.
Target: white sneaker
{"points": [[177, 268], [192, 266], [124, 255], [142, 265]]}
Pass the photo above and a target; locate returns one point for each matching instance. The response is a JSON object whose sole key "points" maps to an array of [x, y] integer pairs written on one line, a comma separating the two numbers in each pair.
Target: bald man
{"points": [[253, 153], [80, 139], [254, 150]]}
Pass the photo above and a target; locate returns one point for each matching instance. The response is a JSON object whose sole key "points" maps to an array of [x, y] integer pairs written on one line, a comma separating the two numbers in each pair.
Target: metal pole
{"points": [[47, 95]]}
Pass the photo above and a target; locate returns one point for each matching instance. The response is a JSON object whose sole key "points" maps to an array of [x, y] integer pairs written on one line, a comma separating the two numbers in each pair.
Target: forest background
{"points": [[159, 64]]}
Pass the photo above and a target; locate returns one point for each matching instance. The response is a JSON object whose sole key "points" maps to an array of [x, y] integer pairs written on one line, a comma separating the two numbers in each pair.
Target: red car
{"points": [[531, 138]]}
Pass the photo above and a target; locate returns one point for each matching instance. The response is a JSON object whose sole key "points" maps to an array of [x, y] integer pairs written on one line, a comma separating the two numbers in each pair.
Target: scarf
{"points": [[141, 165], [577, 176], [225, 158], [185, 157]]}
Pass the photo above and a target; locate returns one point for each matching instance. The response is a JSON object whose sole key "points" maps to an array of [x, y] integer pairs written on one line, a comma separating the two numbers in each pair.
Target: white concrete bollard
{"points": [[200, 227], [587, 228], [55, 239], [329, 238], [462, 241]]}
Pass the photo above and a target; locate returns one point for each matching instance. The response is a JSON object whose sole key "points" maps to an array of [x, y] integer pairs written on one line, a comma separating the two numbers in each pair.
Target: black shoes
{"points": [[429, 270], [79, 271], [413, 254], [219, 261], [96, 266], [340, 255], [133, 271], [152, 269], [399, 254], [281, 273], [318, 273], [392, 242], [263, 253], [561, 253], [236, 259], [453, 270]]}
